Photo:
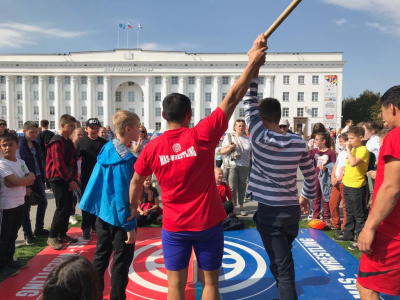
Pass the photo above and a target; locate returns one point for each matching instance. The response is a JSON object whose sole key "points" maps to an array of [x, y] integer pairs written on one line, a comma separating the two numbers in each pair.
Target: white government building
{"points": [[96, 84]]}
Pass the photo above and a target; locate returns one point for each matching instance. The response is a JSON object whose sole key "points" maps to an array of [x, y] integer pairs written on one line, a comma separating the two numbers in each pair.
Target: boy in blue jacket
{"points": [[107, 197]]}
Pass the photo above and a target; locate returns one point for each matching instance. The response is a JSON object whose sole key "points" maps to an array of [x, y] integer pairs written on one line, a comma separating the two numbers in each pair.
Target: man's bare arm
{"points": [[135, 190]]}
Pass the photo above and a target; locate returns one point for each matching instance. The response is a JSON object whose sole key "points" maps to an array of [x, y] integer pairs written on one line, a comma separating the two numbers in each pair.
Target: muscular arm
{"points": [[135, 190]]}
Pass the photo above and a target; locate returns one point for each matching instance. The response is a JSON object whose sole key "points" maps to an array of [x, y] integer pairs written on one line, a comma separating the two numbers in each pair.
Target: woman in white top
{"points": [[237, 150], [142, 141], [372, 138]]}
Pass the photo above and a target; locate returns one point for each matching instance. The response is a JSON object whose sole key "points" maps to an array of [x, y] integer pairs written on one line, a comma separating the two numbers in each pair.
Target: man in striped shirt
{"points": [[276, 157]]}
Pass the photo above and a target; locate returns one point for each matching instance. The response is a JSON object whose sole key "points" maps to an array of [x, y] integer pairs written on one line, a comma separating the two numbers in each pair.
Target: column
{"points": [[42, 98], [164, 93], [198, 97], [106, 100], [270, 84], [182, 85], [91, 101], [147, 104], [10, 107], [25, 96], [236, 112], [216, 92], [57, 101], [74, 97]]}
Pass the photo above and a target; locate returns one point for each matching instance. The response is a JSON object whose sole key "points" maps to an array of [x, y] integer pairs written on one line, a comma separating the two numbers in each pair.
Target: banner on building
{"points": [[330, 103]]}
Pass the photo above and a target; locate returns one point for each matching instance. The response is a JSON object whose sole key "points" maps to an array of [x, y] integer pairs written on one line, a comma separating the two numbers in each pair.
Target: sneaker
{"points": [[353, 246], [243, 213], [310, 215], [43, 232], [15, 264], [86, 234], [29, 239], [345, 237], [159, 219], [7, 271], [72, 220], [54, 243], [67, 239]]}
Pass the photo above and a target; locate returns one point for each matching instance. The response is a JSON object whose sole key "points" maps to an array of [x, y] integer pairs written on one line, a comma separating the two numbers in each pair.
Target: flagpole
{"points": [[137, 37], [118, 40], [127, 37]]}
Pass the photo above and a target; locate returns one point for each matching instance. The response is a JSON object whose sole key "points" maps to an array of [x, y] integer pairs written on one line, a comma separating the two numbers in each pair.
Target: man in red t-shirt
{"points": [[379, 241], [182, 159]]}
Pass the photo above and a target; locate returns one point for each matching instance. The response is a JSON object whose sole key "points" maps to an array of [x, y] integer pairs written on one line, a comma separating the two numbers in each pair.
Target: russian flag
{"points": [[129, 26]]}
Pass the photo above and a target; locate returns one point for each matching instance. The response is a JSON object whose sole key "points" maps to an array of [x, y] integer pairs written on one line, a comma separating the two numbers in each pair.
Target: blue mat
{"points": [[324, 270]]}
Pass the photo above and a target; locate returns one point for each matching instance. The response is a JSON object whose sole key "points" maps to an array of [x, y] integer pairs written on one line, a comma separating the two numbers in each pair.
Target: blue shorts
{"points": [[208, 246]]}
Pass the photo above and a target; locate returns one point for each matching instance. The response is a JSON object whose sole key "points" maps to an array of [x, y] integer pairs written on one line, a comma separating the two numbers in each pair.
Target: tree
{"points": [[362, 109]]}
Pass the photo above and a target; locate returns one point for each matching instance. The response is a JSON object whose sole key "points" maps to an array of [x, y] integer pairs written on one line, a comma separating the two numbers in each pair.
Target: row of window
{"points": [[300, 79], [300, 97], [300, 112]]}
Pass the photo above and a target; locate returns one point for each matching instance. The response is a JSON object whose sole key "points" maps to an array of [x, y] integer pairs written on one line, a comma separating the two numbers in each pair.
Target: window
{"points": [[191, 80], [20, 124], [19, 110], [100, 96], [19, 95], [132, 110], [67, 80], [2, 79], [208, 97], [3, 95], [142, 97], [118, 97], [315, 79], [51, 95], [241, 112], [301, 79], [261, 80], [19, 79], [35, 80], [158, 125], [158, 111], [223, 96], [52, 110], [36, 110], [68, 110], [83, 80], [314, 96], [207, 112], [300, 112], [142, 112], [300, 96], [285, 97], [67, 95], [208, 80], [84, 95], [131, 83], [52, 124], [157, 96], [157, 80], [35, 95], [191, 125], [100, 79], [131, 96], [225, 80], [4, 110], [100, 110], [191, 96], [314, 112], [84, 110], [174, 80], [117, 109], [260, 96], [285, 112], [192, 112], [51, 79], [286, 79]]}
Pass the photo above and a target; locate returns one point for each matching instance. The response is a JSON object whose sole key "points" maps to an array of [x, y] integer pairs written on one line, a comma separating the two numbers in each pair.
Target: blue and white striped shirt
{"points": [[275, 160]]}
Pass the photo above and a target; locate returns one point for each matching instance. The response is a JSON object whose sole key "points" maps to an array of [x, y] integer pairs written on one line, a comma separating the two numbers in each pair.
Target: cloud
{"points": [[340, 22], [387, 10], [18, 35]]}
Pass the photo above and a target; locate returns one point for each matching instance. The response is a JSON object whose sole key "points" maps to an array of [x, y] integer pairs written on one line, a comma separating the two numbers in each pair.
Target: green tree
{"points": [[361, 109]]}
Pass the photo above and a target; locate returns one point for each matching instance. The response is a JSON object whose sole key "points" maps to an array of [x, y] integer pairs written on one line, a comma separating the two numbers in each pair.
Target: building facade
{"points": [[96, 84]]}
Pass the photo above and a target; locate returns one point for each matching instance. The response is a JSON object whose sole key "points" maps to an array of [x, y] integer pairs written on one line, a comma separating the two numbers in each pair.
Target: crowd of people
{"points": [[110, 175]]}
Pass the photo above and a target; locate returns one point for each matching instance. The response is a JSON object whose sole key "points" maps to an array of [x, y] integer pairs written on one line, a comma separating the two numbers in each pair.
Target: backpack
{"points": [[372, 160], [232, 223]]}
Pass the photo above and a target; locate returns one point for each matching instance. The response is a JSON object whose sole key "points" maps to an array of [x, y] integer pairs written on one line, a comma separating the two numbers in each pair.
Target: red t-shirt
{"points": [[391, 225], [224, 192], [183, 162]]}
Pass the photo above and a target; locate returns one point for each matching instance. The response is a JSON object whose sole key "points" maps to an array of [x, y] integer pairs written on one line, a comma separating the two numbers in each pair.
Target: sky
{"points": [[366, 31]]}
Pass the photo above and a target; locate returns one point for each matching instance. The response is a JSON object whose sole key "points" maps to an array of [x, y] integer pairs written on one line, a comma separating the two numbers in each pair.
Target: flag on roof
{"points": [[123, 26], [129, 26], [139, 26]]}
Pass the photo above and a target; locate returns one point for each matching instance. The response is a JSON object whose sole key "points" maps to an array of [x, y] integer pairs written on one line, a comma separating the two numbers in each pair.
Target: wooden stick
{"points": [[281, 18]]}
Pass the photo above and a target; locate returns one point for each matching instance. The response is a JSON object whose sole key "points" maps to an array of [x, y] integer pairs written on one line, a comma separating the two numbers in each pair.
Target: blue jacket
{"points": [[325, 181], [107, 192]]}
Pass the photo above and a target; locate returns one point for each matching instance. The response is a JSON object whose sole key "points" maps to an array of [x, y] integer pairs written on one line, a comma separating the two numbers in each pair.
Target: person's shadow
{"points": [[313, 281]]}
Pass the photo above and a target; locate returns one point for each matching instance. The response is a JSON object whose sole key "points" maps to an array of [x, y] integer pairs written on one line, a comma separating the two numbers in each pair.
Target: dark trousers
{"points": [[278, 227], [63, 197], [88, 220], [355, 209], [47, 182], [150, 218], [37, 187], [10, 220], [111, 238]]}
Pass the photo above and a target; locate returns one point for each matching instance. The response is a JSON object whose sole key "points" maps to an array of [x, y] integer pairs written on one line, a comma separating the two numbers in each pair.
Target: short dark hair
{"points": [[391, 96], [30, 124], [44, 123], [318, 127], [372, 126], [343, 136], [9, 137], [349, 121], [270, 110], [66, 119], [356, 130], [176, 107], [73, 278]]}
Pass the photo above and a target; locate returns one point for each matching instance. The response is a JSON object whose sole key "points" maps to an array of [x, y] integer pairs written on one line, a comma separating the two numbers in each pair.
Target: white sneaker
{"points": [[310, 215], [72, 220]]}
